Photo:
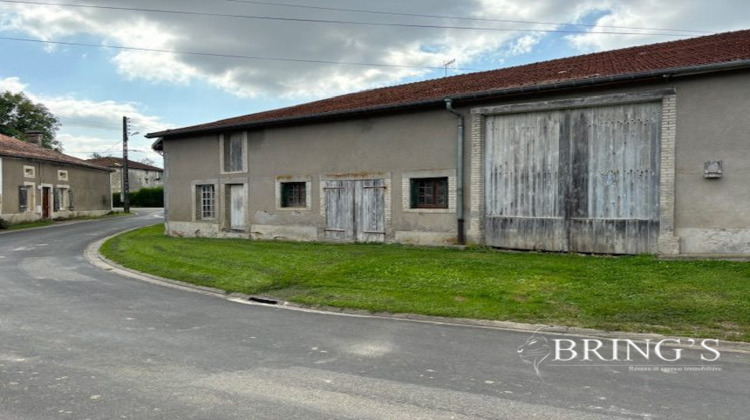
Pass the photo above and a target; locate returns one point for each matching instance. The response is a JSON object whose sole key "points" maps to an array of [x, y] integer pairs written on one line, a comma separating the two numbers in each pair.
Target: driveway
{"points": [[78, 342]]}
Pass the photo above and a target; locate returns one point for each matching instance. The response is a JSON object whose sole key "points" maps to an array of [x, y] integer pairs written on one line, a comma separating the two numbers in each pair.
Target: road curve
{"points": [[79, 342]]}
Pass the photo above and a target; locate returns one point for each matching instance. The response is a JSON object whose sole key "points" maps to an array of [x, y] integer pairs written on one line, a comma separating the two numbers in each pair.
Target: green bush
{"points": [[4, 224], [145, 197]]}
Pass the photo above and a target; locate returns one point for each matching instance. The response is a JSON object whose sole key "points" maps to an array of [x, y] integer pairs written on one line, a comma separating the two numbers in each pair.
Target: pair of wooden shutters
{"points": [[581, 180], [355, 210]]}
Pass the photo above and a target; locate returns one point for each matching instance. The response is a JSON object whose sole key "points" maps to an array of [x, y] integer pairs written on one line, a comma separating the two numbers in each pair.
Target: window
{"points": [[23, 198], [294, 194], [62, 175], [29, 171], [57, 199], [62, 199], [233, 156], [206, 209], [429, 193]]}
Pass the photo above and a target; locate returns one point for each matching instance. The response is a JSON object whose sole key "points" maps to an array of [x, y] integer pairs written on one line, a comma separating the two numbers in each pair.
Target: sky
{"points": [[175, 63]]}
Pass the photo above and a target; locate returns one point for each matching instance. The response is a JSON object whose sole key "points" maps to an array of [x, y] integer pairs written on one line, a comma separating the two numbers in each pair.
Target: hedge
{"points": [[145, 197]]}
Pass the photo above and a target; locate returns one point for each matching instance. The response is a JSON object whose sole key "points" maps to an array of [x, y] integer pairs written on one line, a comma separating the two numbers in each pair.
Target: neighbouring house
{"points": [[38, 183], [637, 150], [140, 175]]}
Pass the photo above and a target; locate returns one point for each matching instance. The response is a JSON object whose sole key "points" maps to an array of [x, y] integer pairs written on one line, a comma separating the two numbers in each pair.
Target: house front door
{"points": [[355, 210], [237, 207], [45, 203]]}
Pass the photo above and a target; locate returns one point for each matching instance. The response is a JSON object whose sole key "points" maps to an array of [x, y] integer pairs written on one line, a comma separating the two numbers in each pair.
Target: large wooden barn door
{"points": [[581, 180], [615, 200], [355, 210], [524, 196]]}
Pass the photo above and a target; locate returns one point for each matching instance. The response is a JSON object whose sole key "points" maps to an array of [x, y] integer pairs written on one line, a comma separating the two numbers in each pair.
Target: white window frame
{"points": [[197, 211], [29, 171], [62, 175]]}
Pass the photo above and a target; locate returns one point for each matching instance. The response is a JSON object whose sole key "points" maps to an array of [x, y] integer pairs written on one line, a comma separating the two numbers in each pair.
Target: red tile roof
{"points": [[713, 49], [12, 147], [115, 162]]}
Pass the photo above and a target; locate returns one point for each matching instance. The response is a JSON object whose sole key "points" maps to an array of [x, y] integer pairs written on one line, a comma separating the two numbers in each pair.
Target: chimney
{"points": [[34, 137]]}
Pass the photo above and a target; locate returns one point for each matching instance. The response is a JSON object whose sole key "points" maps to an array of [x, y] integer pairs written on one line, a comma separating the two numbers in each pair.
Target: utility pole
{"points": [[125, 180]]}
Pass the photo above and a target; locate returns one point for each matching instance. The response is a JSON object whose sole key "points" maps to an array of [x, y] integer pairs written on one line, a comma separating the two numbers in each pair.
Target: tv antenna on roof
{"points": [[448, 64]]}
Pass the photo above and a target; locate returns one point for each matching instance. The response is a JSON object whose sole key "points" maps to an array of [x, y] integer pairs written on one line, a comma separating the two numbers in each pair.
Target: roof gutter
{"points": [[435, 102]]}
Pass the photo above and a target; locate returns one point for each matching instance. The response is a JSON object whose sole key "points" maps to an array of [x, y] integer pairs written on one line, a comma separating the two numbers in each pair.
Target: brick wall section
{"points": [[668, 244], [475, 232]]}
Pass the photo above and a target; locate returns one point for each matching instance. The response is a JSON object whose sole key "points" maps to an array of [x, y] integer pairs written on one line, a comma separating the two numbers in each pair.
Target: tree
{"points": [[147, 161], [19, 114]]}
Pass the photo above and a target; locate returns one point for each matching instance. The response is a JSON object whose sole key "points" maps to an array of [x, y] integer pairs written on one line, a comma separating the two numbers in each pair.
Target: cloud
{"points": [[716, 16], [394, 46], [278, 39], [11, 84]]}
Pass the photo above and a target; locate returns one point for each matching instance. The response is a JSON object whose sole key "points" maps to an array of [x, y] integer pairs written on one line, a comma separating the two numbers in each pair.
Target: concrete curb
{"points": [[93, 255]]}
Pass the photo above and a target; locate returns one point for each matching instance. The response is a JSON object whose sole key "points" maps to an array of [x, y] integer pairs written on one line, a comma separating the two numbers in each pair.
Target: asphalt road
{"points": [[79, 342]]}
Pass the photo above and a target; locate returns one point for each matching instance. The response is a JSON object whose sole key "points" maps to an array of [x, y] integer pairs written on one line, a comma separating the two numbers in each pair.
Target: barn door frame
{"points": [[667, 242], [358, 189]]}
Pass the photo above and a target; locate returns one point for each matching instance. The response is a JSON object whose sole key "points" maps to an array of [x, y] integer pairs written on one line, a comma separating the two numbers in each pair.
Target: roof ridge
{"points": [[13, 147]]}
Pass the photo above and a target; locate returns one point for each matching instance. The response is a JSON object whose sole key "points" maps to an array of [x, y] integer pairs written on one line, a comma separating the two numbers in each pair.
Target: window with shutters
{"points": [[61, 199], [205, 202], [233, 146], [429, 193]]}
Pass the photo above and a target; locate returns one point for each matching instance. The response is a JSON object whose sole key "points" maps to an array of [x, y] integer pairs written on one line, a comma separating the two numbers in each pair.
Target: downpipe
{"points": [[459, 171]]}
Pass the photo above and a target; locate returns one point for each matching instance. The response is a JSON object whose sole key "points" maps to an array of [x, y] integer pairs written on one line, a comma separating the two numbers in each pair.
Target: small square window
{"points": [[294, 194], [62, 175], [29, 171], [429, 193], [205, 202]]}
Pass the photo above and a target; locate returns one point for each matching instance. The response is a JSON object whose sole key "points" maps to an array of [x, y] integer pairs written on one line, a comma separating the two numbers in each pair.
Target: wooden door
{"points": [[45, 203], [237, 207], [369, 206], [525, 200], [355, 210], [339, 202], [614, 201], [581, 180]]}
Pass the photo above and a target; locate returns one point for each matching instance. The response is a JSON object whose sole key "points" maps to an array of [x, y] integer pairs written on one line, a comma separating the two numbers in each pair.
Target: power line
{"points": [[475, 19], [335, 22], [247, 57]]}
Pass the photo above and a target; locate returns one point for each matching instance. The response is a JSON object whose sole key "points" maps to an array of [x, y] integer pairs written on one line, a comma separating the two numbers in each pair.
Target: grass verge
{"points": [[638, 294], [48, 222]]}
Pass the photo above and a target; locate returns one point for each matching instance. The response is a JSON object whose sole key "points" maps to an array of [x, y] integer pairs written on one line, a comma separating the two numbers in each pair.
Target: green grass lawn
{"points": [[48, 222], [641, 293]]}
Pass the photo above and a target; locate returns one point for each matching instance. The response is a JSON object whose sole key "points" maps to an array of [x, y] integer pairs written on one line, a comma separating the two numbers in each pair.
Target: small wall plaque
{"points": [[713, 169]]}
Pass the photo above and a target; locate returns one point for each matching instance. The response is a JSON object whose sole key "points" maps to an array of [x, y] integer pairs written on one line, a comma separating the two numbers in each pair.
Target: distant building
{"points": [[38, 183], [140, 175]]}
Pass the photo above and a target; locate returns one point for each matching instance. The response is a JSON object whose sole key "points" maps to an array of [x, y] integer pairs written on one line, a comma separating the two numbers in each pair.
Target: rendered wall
{"points": [[91, 189]]}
